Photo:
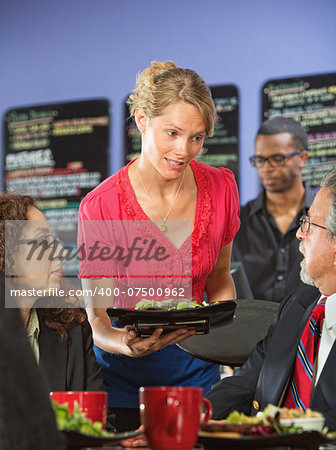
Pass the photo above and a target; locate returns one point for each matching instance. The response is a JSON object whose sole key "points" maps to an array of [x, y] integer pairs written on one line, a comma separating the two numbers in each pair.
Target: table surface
{"points": [[119, 447], [232, 343]]}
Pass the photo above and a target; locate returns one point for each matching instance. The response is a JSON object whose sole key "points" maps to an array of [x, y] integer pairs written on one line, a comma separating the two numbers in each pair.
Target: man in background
{"points": [[266, 242]]}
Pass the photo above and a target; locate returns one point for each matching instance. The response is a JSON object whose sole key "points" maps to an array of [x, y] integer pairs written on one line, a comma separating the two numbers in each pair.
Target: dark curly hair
{"points": [[15, 206]]}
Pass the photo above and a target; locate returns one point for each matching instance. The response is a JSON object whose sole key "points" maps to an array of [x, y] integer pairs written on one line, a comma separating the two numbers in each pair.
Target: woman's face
{"points": [[37, 255], [170, 141]]}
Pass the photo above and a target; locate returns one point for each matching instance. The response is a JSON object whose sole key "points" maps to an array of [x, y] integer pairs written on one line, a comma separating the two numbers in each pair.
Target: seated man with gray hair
{"points": [[276, 372]]}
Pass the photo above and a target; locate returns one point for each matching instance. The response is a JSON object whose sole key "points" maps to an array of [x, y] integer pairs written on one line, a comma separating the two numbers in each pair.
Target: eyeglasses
{"points": [[49, 240], [277, 160], [305, 222]]}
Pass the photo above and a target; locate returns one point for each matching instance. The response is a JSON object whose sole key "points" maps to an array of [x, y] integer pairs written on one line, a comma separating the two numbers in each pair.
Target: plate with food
{"points": [[77, 439], [307, 420], [79, 431], [304, 439], [267, 429], [172, 314]]}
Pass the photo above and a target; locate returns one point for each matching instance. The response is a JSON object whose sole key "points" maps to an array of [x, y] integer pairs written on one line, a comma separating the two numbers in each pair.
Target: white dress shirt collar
{"points": [[330, 313]]}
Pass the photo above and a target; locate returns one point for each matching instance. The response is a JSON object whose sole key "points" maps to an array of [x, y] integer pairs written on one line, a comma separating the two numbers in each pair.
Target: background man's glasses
{"points": [[276, 160], [305, 222]]}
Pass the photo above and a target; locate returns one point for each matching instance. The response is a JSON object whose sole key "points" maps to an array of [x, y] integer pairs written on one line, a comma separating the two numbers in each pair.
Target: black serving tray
{"points": [[201, 319]]}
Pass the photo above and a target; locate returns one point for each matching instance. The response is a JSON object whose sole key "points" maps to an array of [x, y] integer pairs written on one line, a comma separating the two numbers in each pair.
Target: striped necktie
{"points": [[299, 391]]}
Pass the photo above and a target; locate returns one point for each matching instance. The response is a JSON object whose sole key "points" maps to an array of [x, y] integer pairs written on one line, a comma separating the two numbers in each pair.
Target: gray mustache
{"points": [[301, 248]]}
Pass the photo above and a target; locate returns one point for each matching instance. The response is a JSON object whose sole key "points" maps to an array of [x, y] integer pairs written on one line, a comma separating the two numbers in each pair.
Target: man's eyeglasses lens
{"points": [[277, 160], [305, 222]]}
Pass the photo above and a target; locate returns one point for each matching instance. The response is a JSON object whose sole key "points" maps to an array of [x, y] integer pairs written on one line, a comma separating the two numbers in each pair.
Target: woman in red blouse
{"points": [[163, 188]]}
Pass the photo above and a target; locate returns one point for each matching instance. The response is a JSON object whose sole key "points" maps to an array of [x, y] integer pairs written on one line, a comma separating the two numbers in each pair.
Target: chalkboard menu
{"points": [[220, 150], [57, 153], [132, 136], [311, 100]]}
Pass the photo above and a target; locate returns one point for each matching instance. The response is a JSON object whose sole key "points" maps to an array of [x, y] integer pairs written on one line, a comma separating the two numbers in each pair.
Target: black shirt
{"points": [[271, 259]]}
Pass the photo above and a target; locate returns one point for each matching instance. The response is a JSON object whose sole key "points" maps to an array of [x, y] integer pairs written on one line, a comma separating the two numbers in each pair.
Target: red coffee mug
{"points": [[92, 403], [171, 415]]}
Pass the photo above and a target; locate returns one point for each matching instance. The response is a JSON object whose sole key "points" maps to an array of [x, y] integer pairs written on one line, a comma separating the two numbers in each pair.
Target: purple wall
{"points": [[54, 51]]}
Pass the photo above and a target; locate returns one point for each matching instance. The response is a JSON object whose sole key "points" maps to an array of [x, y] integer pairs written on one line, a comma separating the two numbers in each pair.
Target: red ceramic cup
{"points": [[92, 403], [172, 415]]}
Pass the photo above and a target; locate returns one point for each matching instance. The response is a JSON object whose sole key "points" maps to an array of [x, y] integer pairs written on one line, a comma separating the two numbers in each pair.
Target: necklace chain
{"points": [[162, 224]]}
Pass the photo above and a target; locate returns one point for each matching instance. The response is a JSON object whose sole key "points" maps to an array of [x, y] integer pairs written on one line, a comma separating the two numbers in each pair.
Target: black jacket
{"points": [[69, 365], [264, 377], [27, 420]]}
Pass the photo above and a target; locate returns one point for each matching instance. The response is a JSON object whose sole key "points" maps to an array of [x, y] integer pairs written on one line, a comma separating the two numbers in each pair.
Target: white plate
{"points": [[307, 423]]}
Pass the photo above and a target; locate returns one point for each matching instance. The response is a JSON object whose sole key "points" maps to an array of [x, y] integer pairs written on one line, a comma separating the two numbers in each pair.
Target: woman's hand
{"points": [[125, 340], [137, 441], [137, 346]]}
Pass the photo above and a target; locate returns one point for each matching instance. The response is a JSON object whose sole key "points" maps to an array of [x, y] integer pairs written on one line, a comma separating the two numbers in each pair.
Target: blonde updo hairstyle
{"points": [[163, 84]]}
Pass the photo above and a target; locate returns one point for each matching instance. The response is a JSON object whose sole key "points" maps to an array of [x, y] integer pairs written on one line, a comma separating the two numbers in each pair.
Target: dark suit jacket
{"points": [[27, 420], [69, 365], [265, 375]]}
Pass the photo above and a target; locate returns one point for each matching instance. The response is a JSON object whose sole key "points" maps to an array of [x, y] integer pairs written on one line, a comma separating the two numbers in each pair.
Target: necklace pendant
{"points": [[162, 226]]}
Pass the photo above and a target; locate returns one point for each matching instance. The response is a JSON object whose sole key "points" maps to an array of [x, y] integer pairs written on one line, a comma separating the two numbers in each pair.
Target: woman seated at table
{"points": [[60, 336]]}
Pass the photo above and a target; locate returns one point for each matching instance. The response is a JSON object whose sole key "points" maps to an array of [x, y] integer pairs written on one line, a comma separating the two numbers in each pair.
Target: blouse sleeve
{"points": [[95, 238], [227, 199]]}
